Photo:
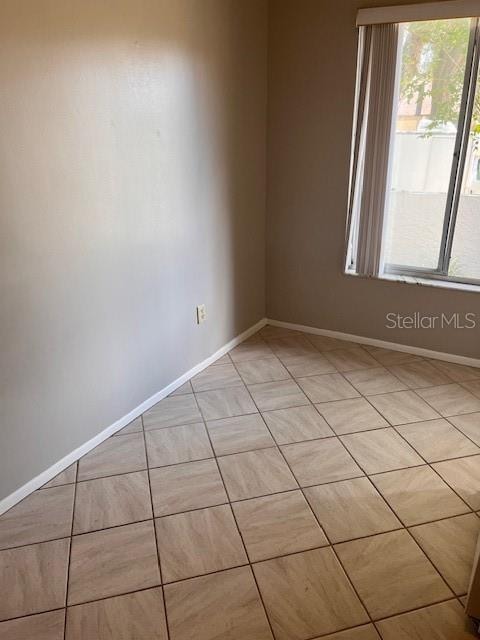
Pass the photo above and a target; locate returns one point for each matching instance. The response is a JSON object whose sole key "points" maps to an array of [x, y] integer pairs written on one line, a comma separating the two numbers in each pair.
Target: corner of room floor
{"points": [[296, 468]]}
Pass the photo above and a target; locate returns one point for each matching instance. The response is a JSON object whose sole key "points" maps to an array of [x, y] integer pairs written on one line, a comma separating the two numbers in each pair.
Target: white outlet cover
{"points": [[201, 313]]}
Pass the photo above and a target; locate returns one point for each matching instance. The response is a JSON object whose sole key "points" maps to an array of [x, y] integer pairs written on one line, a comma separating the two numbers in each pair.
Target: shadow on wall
{"points": [[132, 189]]}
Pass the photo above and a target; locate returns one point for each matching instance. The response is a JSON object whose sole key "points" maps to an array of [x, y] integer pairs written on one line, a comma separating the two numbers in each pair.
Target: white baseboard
{"points": [[61, 465], [47, 475], [393, 346]]}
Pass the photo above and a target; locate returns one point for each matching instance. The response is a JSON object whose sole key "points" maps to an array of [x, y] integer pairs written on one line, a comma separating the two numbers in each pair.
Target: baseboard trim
{"points": [[393, 346], [32, 485]]}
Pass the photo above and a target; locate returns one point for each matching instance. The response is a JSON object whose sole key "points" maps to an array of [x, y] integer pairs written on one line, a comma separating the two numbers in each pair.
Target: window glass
{"points": [[430, 77], [465, 257]]}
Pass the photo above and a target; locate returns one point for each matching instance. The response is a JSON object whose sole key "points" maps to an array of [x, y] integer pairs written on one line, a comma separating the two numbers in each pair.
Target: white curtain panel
{"points": [[375, 94], [356, 171]]}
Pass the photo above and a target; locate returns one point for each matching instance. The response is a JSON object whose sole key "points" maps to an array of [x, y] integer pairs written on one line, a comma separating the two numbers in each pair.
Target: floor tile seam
{"points": [[421, 549], [276, 446], [426, 463], [121, 594], [413, 610], [468, 511], [374, 621], [386, 393], [437, 571], [435, 361], [112, 475], [338, 558], [314, 515], [230, 505], [34, 613], [436, 472], [455, 415], [400, 382], [67, 584], [462, 433], [395, 427], [457, 595], [352, 586], [238, 384], [63, 484], [465, 382], [157, 547], [247, 556], [233, 454]]}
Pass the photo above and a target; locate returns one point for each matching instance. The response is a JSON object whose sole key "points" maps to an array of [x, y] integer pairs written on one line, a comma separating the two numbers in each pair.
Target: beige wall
{"points": [[132, 187], [312, 56]]}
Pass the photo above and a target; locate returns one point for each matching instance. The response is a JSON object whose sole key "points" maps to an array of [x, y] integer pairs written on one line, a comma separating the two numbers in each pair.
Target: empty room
{"points": [[240, 320]]}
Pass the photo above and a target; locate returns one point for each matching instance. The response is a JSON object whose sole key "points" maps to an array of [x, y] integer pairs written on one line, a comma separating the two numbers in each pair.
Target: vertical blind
{"points": [[376, 81]]}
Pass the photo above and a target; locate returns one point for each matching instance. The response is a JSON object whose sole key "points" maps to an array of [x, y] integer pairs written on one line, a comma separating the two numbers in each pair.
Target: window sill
{"points": [[426, 282]]}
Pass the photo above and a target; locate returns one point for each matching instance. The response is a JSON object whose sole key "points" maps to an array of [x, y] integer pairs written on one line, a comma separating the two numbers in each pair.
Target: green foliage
{"points": [[434, 58], [454, 268]]}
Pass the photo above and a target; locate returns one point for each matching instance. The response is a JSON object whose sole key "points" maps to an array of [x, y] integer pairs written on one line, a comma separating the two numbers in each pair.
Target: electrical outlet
{"points": [[201, 313]]}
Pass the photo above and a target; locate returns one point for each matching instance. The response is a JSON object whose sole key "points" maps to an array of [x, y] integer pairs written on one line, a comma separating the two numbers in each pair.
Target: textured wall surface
{"points": [[132, 188]]}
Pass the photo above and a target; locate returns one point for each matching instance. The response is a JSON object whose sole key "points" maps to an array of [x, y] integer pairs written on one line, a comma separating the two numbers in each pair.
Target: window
{"points": [[414, 205]]}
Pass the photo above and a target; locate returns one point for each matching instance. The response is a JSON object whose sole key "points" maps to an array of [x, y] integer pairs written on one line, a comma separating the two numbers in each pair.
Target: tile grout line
{"points": [[286, 444], [416, 541], [430, 465], [36, 613], [461, 432], [367, 475], [407, 611], [247, 555], [315, 516], [464, 385], [434, 566], [277, 446], [70, 553], [157, 547], [84, 602], [455, 415], [405, 527], [425, 461], [208, 573], [330, 545], [268, 495]]}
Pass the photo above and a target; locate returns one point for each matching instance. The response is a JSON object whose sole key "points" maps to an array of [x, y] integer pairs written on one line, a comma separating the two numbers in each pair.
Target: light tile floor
{"points": [[299, 488]]}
